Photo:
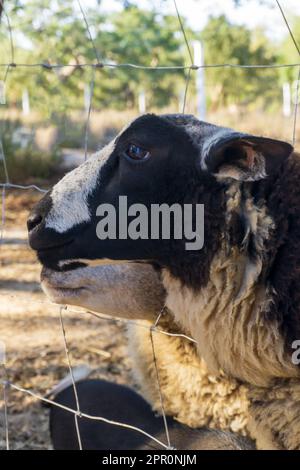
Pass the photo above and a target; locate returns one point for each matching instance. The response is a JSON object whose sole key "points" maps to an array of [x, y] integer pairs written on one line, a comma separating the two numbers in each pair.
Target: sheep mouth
{"points": [[59, 287], [60, 295], [63, 285], [53, 248], [51, 256]]}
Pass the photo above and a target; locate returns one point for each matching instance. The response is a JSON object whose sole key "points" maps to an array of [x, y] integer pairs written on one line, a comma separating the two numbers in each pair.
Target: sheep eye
{"points": [[137, 153]]}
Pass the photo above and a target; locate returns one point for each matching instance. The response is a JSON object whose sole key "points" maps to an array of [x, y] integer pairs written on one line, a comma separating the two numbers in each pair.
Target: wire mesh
{"points": [[5, 382]]}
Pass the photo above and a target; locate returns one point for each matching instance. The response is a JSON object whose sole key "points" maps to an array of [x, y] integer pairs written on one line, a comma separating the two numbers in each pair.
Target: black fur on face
{"points": [[186, 162]]}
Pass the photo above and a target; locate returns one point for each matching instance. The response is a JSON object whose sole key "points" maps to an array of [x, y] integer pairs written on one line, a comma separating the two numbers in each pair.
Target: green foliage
{"points": [[144, 38], [289, 53], [25, 162], [53, 31], [59, 35], [227, 43]]}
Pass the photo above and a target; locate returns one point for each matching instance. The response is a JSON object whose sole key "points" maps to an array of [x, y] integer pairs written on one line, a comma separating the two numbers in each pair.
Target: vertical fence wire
{"points": [[92, 83], [158, 379], [67, 353], [5, 404], [3, 220], [187, 82], [296, 108], [88, 118], [89, 32], [189, 71], [296, 97]]}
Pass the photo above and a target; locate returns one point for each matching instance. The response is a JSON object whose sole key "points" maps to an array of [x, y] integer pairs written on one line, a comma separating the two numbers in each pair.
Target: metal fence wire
{"points": [[6, 185]]}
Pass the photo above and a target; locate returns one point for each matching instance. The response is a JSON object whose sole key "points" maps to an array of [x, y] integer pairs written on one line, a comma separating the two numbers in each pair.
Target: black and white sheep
{"points": [[237, 297]]}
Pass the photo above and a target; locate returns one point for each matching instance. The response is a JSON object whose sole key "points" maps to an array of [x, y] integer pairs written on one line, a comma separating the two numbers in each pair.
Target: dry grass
{"points": [[259, 123], [50, 141]]}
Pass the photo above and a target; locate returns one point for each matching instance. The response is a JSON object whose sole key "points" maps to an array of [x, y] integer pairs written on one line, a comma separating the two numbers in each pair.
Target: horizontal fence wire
{"points": [[81, 414], [99, 64], [149, 67], [113, 320]]}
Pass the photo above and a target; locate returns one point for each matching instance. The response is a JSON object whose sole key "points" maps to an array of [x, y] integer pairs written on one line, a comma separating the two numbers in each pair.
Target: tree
{"points": [[56, 33], [148, 39], [227, 43], [288, 52], [53, 31]]}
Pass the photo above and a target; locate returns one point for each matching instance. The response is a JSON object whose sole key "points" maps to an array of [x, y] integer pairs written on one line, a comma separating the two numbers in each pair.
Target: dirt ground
{"points": [[30, 329]]}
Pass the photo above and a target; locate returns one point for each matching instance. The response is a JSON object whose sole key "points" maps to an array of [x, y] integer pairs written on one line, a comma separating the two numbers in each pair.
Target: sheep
{"points": [[139, 293], [237, 296], [122, 404]]}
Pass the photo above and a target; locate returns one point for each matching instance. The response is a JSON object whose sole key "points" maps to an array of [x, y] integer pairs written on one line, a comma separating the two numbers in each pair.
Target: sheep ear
{"points": [[243, 157]]}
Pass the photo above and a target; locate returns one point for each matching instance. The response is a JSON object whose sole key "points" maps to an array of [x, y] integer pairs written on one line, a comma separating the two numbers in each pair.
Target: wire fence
{"points": [[99, 64]]}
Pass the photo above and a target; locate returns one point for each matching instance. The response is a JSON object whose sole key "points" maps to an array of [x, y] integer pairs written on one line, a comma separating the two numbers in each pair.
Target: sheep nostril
{"points": [[33, 221]]}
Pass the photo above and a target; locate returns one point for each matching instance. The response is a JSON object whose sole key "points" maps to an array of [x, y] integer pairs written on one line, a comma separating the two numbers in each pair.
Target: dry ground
{"points": [[29, 325], [30, 328]]}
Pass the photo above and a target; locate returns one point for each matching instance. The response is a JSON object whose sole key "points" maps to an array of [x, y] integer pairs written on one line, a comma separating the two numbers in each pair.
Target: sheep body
{"points": [[190, 392]]}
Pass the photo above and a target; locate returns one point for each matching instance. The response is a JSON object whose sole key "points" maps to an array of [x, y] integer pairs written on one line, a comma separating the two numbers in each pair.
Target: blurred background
{"points": [[50, 115], [43, 110]]}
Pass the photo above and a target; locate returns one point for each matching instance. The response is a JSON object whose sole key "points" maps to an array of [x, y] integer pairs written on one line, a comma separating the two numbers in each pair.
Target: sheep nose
{"points": [[40, 236], [38, 214], [37, 232], [33, 221]]}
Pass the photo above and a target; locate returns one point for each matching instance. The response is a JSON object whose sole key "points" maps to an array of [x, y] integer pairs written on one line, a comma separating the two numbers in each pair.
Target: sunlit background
{"points": [[43, 110], [55, 106]]}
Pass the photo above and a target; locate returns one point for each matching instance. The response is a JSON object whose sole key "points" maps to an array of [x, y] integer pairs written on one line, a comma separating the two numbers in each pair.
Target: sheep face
{"points": [[156, 160], [213, 291], [236, 296]]}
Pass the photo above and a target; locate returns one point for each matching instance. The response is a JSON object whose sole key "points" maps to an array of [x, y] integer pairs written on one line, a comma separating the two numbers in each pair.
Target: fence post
{"points": [[200, 79], [2, 92], [87, 97], [25, 103], [286, 96], [142, 102]]}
